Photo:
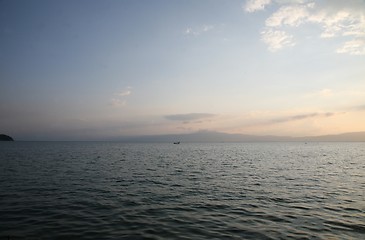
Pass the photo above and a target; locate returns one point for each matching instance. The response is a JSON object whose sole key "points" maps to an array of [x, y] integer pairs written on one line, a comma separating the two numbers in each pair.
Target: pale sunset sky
{"points": [[99, 69]]}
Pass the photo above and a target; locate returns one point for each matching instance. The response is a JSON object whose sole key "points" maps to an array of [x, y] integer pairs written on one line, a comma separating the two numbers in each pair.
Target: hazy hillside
{"points": [[345, 137], [207, 136]]}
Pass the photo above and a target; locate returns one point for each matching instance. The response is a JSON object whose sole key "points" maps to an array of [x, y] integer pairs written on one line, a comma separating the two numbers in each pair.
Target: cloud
{"points": [[292, 15], [277, 40], [189, 117], [116, 102], [119, 99], [299, 117], [198, 30], [256, 5], [207, 28], [358, 108], [126, 92], [188, 31], [353, 47], [361, 108], [343, 20]]}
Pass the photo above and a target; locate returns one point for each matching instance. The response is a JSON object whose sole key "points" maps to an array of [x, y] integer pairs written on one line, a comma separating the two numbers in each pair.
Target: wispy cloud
{"points": [[291, 15], [119, 99], [116, 102], [276, 40], [353, 47], [361, 107], [190, 31], [126, 92], [256, 5], [357, 108], [300, 117], [207, 28], [189, 117], [343, 20]]}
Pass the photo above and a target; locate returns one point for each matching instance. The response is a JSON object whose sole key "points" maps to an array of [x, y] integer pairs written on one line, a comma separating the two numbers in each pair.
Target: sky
{"points": [[99, 69]]}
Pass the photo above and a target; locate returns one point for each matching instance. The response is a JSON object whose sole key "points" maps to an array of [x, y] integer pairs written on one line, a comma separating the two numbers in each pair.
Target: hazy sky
{"points": [[78, 70]]}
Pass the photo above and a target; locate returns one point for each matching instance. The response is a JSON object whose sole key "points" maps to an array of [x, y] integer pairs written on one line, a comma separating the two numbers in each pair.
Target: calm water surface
{"points": [[102, 190]]}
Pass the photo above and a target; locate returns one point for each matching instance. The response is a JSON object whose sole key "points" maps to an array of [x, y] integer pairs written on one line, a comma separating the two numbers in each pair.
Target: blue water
{"points": [[111, 190]]}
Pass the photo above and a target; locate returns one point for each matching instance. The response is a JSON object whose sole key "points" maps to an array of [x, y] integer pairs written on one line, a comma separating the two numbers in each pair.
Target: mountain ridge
{"points": [[212, 136]]}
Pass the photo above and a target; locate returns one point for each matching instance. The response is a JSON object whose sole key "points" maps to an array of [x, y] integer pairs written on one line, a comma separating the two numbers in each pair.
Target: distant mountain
{"points": [[344, 137], [4, 137], [210, 136]]}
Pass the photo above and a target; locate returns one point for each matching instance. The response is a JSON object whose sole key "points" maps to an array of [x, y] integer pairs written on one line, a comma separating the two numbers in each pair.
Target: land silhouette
{"points": [[205, 136], [211, 136], [4, 137]]}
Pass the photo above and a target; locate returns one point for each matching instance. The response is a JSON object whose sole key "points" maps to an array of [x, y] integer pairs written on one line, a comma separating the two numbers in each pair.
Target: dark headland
{"points": [[4, 137]]}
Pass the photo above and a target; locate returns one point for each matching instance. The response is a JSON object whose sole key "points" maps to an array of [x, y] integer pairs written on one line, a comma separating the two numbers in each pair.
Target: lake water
{"points": [[111, 190]]}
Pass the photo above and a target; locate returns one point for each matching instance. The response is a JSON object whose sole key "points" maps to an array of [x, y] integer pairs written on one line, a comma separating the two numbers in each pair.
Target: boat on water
{"points": [[176, 142]]}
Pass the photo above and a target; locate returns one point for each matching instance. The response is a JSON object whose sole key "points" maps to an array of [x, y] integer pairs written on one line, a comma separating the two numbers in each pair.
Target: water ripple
{"points": [[190, 191]]}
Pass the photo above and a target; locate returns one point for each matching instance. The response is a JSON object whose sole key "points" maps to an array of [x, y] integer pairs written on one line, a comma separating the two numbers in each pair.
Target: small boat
{"points": [[176, 142]]}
